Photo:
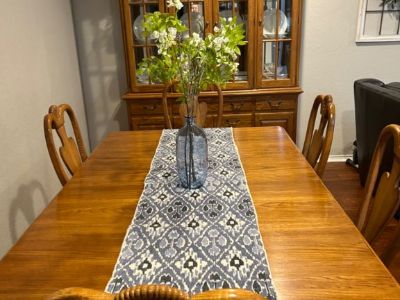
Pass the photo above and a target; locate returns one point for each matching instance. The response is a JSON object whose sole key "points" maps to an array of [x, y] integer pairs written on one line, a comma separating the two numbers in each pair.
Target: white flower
{"points": [[156, 34], [196, 40], [218, 41], [162, 34], [172, 32], [216, 28], [175, 3], [235, 67], [230, 19]]}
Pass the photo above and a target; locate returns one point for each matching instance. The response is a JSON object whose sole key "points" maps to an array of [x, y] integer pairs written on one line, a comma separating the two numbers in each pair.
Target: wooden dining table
{"points": [[314, 250]]}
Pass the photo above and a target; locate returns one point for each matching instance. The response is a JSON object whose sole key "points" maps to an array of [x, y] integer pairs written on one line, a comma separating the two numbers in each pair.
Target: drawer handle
{"points": [[149, 107], [275, 104], [232, 123], [236, 107]]}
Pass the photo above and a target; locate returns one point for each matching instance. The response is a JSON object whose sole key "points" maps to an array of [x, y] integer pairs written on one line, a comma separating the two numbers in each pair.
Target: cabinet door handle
{"points": [[232, 123], [149, 107], [275, 104], [236, 107]]}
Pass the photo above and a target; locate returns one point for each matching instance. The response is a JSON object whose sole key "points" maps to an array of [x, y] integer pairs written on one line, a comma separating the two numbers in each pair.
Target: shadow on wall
{"points": [[24, 203], [101, 56], [348, 134]]}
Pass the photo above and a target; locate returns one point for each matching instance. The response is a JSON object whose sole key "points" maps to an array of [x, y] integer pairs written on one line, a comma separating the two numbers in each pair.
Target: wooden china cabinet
{"points": [[264, 91]]}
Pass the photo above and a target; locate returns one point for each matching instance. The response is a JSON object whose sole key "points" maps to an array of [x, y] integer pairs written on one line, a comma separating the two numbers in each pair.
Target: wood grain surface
{"points": [[314, 250]]}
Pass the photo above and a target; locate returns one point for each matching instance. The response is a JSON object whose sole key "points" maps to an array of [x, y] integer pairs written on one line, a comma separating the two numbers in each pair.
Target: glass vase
{"points": [[191, 154]]}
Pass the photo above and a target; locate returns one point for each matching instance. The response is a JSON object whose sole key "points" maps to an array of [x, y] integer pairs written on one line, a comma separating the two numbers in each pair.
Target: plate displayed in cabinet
{"points": [[269, 29], [138, 28]]}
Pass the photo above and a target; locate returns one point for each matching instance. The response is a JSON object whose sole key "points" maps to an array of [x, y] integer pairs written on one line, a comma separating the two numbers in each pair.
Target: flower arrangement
{"points": [[191, 62]]}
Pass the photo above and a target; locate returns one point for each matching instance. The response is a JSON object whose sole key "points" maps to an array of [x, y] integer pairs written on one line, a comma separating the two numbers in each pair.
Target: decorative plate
{"points": [[269, 29], [138, 29]]}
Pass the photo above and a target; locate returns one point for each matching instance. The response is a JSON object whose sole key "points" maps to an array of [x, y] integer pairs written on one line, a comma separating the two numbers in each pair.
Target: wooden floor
{"points": [[343, 182]]}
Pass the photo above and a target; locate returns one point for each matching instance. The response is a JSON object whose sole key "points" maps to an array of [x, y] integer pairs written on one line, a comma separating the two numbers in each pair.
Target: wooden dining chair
{"points": [[71, 152], [318, 141], [200, 108], [382, 195], [139, 292], [154, 292]]}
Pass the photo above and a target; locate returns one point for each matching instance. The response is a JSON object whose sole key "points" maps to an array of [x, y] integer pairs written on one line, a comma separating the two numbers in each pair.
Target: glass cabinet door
{"points": [[196, 15], [243, 10], [277, 37], [139, 45]]}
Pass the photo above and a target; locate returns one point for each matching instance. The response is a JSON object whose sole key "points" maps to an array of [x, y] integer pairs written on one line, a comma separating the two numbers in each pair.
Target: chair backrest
{"points": [[154, 292], [140, 292], [318, 141], [382, 194], [71, 154], [200, 109]]}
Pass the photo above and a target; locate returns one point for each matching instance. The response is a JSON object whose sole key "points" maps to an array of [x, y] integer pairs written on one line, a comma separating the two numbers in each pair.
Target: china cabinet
{"points": [[264, 91]]}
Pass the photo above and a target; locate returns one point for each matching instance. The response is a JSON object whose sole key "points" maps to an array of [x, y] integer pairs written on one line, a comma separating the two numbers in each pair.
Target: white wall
{"points": [[38, 67], [102, 65], [331, 61]]}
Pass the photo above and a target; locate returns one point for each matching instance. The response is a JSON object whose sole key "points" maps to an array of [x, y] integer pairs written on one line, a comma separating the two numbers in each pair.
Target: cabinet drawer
{"points": [[275, 103], [178, 122], [147, 123], [231, 105], [147, 108], [282, 119], [237, 120], [238, 106]]}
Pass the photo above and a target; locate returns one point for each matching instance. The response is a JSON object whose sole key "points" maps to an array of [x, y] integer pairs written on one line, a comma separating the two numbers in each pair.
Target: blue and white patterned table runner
{"points": [[196, 240]]}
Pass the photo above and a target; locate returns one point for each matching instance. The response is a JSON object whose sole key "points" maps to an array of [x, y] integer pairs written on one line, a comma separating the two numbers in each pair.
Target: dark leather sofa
{"points": [[376, 105]]}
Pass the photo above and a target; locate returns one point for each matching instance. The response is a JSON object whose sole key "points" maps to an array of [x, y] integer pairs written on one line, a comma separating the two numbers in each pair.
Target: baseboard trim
{"points": [[339, 158]]}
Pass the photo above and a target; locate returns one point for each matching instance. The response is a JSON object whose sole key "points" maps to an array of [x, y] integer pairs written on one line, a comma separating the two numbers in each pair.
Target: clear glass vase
{"points": [[191, 154]]}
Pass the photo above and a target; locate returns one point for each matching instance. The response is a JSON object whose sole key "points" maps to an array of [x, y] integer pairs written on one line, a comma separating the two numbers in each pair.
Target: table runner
{"points": [[196, 240]]}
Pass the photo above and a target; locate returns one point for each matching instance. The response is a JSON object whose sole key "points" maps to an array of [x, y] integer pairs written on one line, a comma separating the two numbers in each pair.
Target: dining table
{"points": [[314, 250]]}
